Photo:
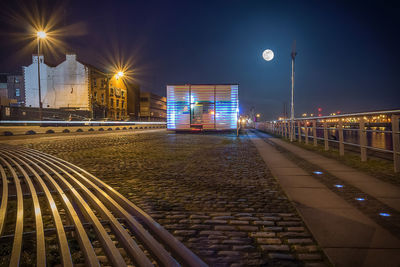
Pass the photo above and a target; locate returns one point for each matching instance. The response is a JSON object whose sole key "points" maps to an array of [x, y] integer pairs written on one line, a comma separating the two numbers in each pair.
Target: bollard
{"points": [[306, 132], [363, 140], [315, 132], [326, 140], [396, 142], [341, 145]]}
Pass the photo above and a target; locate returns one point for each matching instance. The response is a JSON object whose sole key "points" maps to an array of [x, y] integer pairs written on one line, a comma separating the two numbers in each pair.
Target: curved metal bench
{"points": [[88, 203]]}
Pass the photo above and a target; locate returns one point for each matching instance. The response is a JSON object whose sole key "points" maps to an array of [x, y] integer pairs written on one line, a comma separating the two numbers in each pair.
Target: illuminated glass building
{"points": [[202, 107]]}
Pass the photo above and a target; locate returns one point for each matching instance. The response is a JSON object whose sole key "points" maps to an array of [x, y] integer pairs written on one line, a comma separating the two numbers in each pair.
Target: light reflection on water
{"points": [[374, 139]]}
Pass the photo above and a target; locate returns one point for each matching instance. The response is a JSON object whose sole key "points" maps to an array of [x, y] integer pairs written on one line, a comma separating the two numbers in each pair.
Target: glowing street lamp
{"points": [[40, 35], [120, 74]]}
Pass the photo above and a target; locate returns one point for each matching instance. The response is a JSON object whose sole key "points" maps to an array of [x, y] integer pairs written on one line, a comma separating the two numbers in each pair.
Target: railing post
{"points": [[306, 132], [341, 145], [396, 142], [326, 140], [284, 129], [287, 129], [315, 132], [363, 140], [299, 130]]}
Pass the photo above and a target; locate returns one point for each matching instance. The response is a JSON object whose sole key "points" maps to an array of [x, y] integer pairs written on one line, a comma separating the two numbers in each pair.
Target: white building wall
{"points": [[31, 81], [71, 85], [66, 85]]}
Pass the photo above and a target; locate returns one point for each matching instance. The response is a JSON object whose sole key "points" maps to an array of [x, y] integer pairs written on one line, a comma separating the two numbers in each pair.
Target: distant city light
{"points": [[318, 172], [384, 214], [338, 185]]}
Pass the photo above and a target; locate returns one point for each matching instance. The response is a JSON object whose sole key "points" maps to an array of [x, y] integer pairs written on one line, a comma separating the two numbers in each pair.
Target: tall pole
{"points": [[292, 106], [38, 65]]}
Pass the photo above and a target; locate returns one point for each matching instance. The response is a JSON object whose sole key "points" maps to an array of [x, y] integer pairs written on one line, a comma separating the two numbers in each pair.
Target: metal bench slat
{"points": [[132, 248], [4, 199], [19, 224], [40, 244], [178, 249], [111, 250], [83, 239]]}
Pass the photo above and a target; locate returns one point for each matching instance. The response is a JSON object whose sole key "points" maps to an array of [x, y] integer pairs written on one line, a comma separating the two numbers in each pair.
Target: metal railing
{"points": [[362, 124]]}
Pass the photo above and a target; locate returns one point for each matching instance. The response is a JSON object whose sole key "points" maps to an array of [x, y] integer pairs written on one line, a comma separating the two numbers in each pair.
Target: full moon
{"points": [[268, 55]]}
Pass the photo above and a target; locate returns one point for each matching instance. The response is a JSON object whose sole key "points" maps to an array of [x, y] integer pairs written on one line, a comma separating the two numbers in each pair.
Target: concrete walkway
{"points": [[348, 237]]}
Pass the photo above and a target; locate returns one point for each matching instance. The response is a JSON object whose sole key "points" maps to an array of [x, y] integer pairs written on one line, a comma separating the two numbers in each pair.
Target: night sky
{"points": [[348, 53]]}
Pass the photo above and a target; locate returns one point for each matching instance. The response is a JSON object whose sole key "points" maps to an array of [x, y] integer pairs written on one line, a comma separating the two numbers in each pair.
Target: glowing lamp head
{"points": [[41, 34], [119, 74], [268, 55]]}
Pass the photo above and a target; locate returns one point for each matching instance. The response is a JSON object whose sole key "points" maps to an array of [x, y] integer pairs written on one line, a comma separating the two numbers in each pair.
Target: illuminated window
{"points": [[17, 92]]}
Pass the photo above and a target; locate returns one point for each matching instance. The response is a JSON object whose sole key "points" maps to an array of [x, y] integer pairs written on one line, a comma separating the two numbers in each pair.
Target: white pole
{"points": [[40, 93], [292, 106]]}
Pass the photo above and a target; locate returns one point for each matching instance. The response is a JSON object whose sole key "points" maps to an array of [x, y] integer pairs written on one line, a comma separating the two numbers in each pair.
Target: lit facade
{"points": [[202, 107], [117, 105]]}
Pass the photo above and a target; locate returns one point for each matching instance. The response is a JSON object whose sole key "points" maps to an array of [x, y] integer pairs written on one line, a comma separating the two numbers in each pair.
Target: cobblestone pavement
{"points": [[213, 192]]}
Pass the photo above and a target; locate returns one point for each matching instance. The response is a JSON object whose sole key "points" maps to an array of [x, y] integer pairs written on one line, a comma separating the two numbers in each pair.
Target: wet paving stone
{"points": [[211, 191]]}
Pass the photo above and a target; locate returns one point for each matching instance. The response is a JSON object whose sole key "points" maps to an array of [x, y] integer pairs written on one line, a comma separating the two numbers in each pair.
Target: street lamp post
{"points": [[40, 35], [293, 54]]}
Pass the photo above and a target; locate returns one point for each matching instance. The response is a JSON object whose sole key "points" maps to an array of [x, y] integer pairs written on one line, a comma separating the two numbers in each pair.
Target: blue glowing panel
{"points": [[360, 198], [338, 185], [384, 214], [227, 106], [178, 107], [318, 172]]}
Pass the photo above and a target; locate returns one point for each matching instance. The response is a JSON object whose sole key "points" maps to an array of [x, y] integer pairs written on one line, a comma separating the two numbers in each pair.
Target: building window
{"points": [[111, 102], [123, 93], [111, 91], [17, 92], [117, 103], [102, 98], [16, 80], [95, 94], [122, 104]]}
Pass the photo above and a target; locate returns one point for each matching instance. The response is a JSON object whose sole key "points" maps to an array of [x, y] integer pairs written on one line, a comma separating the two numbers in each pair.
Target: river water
{"points": [[374, 139]]}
